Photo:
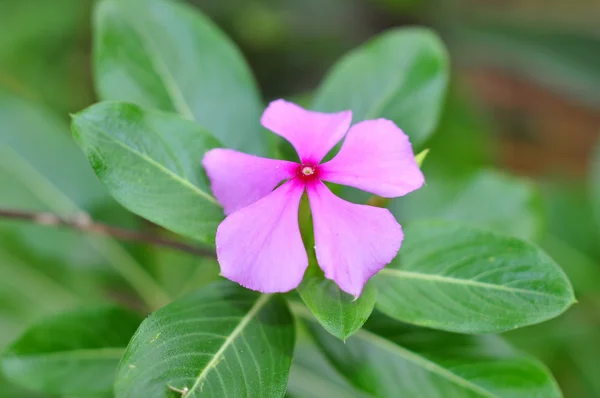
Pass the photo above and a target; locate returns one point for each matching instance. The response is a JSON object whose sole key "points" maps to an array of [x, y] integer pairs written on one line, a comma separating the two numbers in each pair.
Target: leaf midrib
{"points": [[256, 307], [152, 162], [457, 281], [410, 356], [425, 363]]}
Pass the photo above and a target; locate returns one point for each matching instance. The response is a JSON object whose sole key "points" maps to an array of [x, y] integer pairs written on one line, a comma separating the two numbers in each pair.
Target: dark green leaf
{"points": [[221, 341], [167, 55], [150, 161], [400, 75], [395, 360], [486, 199], [71, 353], [458, 278], [338, 312]]}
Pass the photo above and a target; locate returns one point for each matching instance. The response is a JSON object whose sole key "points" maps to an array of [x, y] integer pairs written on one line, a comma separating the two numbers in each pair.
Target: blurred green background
{"points": [[514, 151]]}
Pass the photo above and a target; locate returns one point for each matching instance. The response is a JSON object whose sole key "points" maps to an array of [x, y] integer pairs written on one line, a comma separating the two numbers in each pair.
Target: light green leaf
{"points": [[338, 312], [41, 169], [167, 55], [71, 353], [389, 359], [222, 341], [150, 161], [487, 199], [457, 278], [400, 75]]}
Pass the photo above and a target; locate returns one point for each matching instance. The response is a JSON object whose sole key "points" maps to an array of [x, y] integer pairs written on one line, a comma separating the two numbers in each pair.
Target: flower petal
{"points": [[376, 157], [238, 179], [260, 246], [352, 242], [312, 134]]}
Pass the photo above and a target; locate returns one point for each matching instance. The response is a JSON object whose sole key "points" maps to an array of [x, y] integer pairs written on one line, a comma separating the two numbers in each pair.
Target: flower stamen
{"points": [[308, 170]]}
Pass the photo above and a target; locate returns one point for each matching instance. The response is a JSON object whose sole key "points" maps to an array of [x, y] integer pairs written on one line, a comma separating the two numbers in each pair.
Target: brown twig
{"points": [[83, 222]]}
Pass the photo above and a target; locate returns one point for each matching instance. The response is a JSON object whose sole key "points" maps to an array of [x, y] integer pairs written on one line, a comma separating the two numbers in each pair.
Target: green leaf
{"points": [[222, 341], [167, 55], [313, 377], [150, 162], [572, 234], [457, 278], [41, 169], [595, 183], [563, 60], [486, 198], [71, 353], [400, 75], [10, 390], [338, 312], [395, 360]]}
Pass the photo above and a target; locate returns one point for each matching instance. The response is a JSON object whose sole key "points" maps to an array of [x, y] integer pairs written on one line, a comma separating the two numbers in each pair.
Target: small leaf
{"points": [[462, 279], [420, 157], [389, 359], [167, 55], [150, 162], [338, 312], [400, 75], [71, 353], [222, 341]]}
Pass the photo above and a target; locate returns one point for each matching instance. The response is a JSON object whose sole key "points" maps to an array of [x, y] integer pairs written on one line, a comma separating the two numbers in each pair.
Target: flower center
{"points": [[307, 172]]}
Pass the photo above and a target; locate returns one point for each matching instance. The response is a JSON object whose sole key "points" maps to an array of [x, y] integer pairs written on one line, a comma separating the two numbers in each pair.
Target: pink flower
{"points": [[259, 244]]}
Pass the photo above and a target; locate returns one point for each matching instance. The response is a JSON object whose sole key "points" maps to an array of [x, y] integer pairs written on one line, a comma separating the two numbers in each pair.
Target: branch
{"points": [[83, 222]]}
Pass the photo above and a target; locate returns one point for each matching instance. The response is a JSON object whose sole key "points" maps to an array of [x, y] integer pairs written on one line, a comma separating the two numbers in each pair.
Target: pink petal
{"points": [[238, 180], [312, 134], [260, 246], [353, 242], [376, 157]]}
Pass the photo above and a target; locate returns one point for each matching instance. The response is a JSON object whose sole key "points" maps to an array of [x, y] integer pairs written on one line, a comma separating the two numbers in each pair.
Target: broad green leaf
{"points": [[400, 75], [167, 55], [486, 198], [41, 169], [458, 278], [338, 312], [150, 161], [71, 353], [221, 341], [395, 360]]}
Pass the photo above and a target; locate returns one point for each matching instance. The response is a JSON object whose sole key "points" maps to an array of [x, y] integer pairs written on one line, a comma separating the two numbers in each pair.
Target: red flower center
{"points": [[307, 172]]}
